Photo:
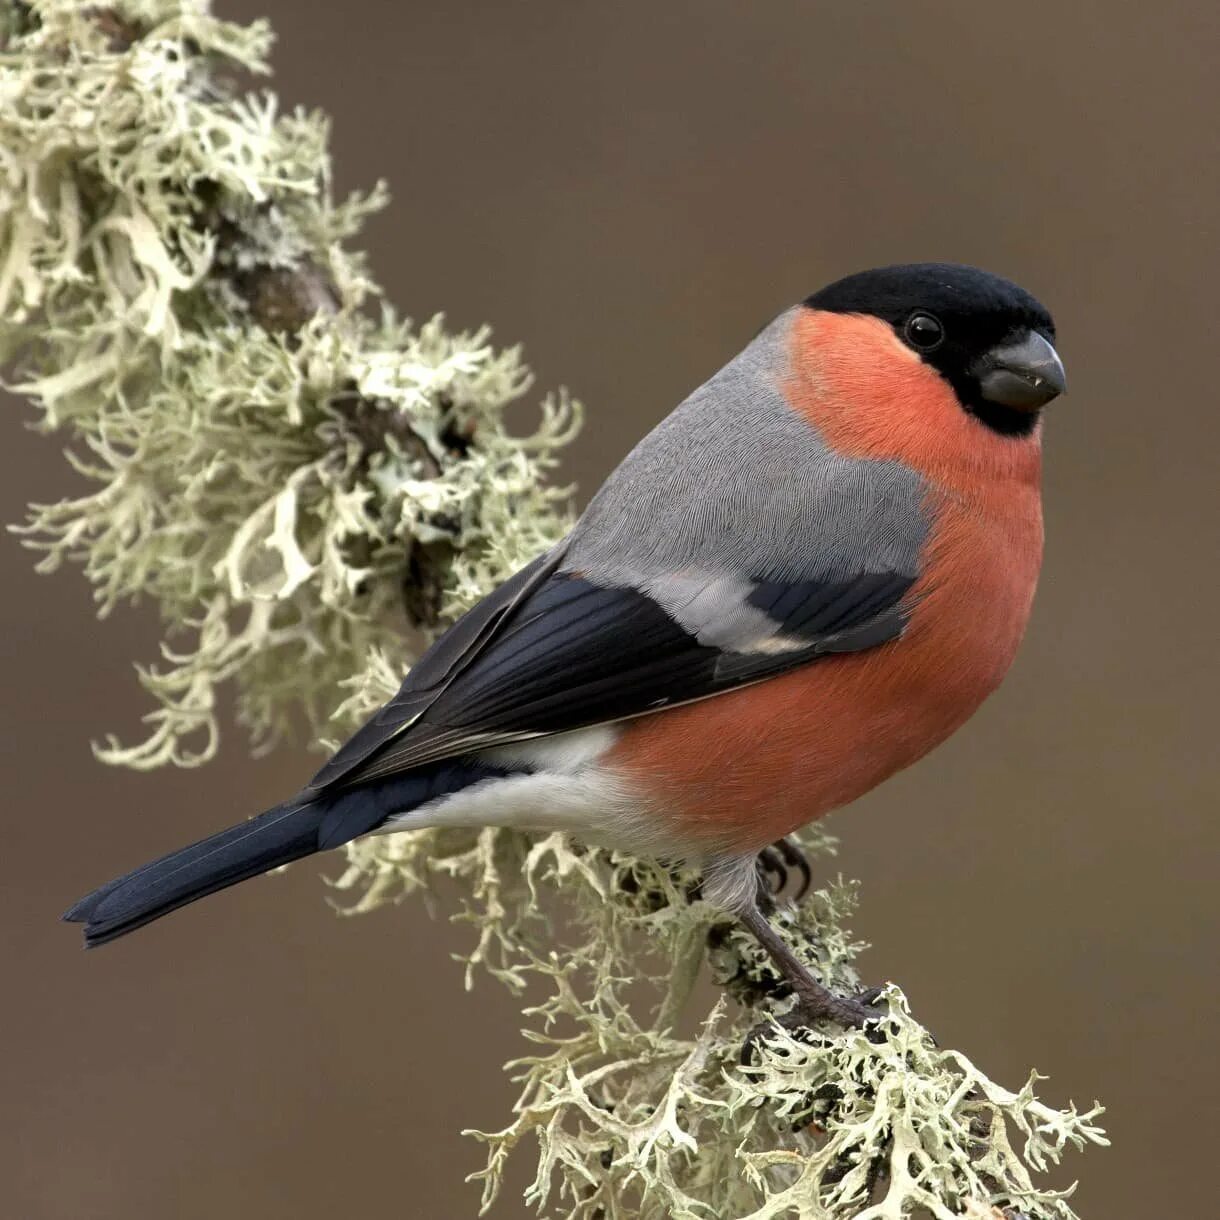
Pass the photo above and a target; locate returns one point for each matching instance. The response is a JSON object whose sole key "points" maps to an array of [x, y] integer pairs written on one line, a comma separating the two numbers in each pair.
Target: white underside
{"points": [[568, 790], [571, 790]]}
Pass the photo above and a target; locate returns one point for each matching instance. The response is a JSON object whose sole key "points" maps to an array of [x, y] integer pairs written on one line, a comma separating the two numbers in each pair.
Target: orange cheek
{"points": [[870, 396]]}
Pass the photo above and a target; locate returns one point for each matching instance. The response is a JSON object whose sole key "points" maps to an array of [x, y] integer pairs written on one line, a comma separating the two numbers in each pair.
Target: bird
{"points": [[802, 580]]}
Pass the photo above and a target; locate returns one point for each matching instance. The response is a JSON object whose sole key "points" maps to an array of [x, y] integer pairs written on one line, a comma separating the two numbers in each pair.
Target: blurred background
{"points": [[631, 190]]}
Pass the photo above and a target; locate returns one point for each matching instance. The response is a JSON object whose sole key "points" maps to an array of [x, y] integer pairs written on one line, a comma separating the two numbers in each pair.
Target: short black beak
{"points": [[1025, 374]]}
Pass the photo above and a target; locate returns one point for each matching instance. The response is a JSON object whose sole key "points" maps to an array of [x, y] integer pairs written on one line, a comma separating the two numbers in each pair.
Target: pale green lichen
{"points": [[275, 468], [296, 485], [636, 1119]]}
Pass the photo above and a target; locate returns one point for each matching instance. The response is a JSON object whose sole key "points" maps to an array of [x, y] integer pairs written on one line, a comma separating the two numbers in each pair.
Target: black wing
{"points": [[438, 666], [551, 651]]}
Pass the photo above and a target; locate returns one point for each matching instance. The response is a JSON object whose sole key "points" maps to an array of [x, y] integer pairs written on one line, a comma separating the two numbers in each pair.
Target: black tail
{"points": [[283, 834], [276, 837]]}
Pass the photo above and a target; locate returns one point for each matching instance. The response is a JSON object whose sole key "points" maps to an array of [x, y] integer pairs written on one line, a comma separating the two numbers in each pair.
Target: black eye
{"points": [[924, 332]]}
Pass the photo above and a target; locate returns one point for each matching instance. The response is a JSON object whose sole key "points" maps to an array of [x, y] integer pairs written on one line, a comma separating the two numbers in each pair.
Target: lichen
{"points": [[634, 1118], [281, 470], [308, 489]]}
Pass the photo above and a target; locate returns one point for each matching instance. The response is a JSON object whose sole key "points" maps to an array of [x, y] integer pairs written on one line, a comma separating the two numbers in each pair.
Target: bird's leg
{"points": [[813, 1000]]}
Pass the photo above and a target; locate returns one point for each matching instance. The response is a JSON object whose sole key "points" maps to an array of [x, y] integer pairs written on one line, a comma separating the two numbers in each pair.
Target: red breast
{"points": [[740, 770]]}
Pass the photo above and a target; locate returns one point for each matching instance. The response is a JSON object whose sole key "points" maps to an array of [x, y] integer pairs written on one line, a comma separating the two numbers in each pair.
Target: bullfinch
{"points": [[801, 581]]}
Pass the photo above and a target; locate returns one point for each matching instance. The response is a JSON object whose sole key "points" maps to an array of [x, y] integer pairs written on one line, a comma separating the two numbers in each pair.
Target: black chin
{"points": [[1007, 421]]}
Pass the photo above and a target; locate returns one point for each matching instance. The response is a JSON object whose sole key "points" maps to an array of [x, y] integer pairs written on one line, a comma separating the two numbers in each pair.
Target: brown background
{"points": [[631, 190]]}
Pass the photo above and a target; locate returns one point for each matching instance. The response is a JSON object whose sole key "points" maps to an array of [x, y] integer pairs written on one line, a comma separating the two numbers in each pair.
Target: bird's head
{"points": [[985, 336], [943, 367]]}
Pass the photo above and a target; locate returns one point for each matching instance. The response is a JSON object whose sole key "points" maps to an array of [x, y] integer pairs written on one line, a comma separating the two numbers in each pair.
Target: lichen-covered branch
{"points": [[635, 1119], [281, 472], [307, 489]]}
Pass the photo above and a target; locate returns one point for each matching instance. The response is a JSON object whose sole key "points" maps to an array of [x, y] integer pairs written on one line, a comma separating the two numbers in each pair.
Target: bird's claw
{"points": [[856, 1011], [778, 861], [852, 1012]]}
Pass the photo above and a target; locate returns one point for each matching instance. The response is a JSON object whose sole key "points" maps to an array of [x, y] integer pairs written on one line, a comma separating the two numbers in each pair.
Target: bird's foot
{"points": [[818, 1004], [814, 1001], [854, 1012]]}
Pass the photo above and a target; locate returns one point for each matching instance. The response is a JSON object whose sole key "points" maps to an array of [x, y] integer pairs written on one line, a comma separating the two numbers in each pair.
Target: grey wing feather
{"points": [[735, 488]]}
